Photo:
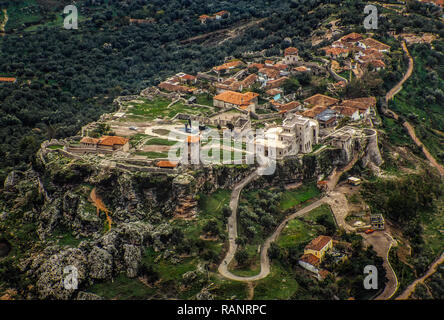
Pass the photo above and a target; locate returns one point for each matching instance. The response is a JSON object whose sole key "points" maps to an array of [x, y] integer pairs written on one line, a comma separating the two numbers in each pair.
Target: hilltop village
{"points": [[138, 220], [266, 93]]}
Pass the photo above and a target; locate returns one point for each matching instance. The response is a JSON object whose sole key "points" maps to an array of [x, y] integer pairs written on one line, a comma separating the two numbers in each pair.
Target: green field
{"points": [[122, 288], [300, 231], [292, 198], [279, 285], [433, 225], [152, 154], [160, 142], [157, 108], [55, 147], [204, 99]]}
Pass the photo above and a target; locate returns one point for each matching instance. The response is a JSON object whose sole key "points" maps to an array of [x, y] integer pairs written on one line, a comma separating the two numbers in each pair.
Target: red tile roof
{"points": [[228, 65], [167, 164], [313, 112], [270, 73], [105, 140], [256, 65], [289, 106], [351, 37], [335, 51], [276, 83], [310, 259], [373, 43], [7, 79], [321, 100], [291, 51], [112, 140], [318, 243], [248, 81], [236, 98], [346, 111]]}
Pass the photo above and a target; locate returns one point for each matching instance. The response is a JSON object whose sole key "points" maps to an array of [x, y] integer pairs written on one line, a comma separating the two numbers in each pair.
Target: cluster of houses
{"points": [[235, 85], [181, 83], [367, 52]]}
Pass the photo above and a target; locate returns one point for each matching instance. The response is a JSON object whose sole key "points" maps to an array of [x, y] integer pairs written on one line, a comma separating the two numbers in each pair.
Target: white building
{"points": [[296, 135]]}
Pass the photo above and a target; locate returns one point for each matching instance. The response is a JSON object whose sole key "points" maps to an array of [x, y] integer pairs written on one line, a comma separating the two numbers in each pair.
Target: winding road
{"points": [[264, 260], [410, 129]]}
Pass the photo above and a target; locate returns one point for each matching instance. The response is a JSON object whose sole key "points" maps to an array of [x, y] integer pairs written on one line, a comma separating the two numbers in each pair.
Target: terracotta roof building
{"points": [[249, 80], [375, 44], [291, 55], [228, 66], [311, 259], [351, 37], [8, 79], [105, 143], [272, 84], [336, 52], [351, 112], [288, 107], [269, 73], [319, 246], [228, 99], [167, 164], [321, 100], [313, 112]]}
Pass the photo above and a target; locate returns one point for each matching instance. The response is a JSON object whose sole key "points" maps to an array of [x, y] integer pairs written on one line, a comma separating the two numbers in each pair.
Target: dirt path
{"points": [[397, 88], [426, 152], [5, 20], [250, 288], [411, 288], [407, 75], [232, 32], [98, 203]]}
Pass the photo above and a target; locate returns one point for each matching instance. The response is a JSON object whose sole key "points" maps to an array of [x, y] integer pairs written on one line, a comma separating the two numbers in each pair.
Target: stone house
{"points": [[228, 99]]}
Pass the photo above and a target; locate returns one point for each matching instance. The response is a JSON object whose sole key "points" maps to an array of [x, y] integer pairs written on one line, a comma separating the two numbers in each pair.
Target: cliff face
{"points": [[53, 199]]}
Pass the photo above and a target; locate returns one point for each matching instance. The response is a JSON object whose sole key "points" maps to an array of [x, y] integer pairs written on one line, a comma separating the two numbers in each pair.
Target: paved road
{"points": [[382, 243], [232, 234]]}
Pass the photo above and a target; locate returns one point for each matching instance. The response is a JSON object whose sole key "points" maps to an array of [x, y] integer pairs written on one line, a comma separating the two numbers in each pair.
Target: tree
{"points": [[241, 256]]}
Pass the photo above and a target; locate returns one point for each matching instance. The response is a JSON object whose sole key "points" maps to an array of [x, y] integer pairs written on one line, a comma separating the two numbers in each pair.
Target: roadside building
{"points": [[354, 181], [314, 252], [377, 221]]}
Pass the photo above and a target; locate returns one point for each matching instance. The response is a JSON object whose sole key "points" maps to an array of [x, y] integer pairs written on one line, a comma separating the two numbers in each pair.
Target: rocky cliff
{"points": [[52, 202]]}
